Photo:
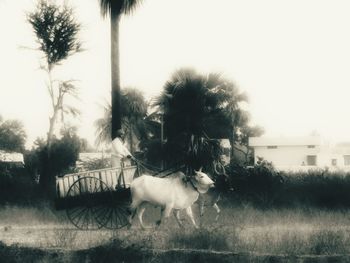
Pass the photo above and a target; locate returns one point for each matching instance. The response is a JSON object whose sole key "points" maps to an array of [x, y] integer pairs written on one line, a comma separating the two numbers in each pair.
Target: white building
{"points": [[301, 153], [11, 159]]}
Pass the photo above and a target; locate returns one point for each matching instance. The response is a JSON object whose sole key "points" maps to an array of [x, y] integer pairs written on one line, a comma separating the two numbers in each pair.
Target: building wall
{"points": [[297, 153], [327, 159], [285, 155], [295, 157]]}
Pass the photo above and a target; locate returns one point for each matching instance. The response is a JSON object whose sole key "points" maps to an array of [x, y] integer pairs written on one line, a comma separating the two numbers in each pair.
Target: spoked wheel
{"points": [[115, 215], [85, 200]]}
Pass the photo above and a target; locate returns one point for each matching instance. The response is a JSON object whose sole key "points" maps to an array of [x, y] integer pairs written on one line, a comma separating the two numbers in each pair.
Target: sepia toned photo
{"points": [[174, 131]]}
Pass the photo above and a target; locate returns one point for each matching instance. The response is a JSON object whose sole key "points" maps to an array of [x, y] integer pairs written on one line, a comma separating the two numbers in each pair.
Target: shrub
{"points": [[263, 186], [259, 184], [16, 186], [317, 188], [61, 159]]}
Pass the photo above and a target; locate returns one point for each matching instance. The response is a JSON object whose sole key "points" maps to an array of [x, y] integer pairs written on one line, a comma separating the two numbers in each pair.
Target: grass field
{"points": [[241, 229]]}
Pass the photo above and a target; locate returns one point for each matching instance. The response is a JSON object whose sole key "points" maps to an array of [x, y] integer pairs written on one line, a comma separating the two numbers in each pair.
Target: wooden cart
{"points": [[96, 199]]}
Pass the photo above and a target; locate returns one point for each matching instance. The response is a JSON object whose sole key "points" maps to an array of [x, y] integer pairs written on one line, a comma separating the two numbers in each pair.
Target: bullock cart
{"points": [[96, 199]]}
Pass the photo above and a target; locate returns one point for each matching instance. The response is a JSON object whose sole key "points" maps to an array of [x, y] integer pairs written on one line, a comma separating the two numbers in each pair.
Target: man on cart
{"points": [[120, 153], [121, 157]]}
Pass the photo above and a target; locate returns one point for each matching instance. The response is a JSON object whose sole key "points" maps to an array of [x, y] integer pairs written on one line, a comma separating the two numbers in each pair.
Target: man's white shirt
{"points": [[118, 149]]}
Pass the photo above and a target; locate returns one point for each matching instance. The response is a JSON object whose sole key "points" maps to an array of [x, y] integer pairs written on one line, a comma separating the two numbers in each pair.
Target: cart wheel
{"points": [[114, 217], [116, 212], [84, 197]]}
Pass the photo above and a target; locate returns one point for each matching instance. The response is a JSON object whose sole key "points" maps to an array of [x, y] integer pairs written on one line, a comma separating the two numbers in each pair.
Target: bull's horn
{"points": [[200, 170]]}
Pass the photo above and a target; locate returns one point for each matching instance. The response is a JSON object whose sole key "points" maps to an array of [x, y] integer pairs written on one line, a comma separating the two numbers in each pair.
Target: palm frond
{"points": [[118, 7], [133, 113]]}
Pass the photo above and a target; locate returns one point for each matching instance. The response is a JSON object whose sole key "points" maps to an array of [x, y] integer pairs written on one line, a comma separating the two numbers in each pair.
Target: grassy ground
{"points": [[242, 229]]}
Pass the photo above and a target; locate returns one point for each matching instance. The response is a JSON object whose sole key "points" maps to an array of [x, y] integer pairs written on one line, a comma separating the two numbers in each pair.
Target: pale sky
{"points": [[292, 58]]}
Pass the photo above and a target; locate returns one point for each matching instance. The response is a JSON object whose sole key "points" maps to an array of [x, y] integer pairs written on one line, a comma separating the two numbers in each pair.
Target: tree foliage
{"points": [[64, 154], [12, 136], [56, 31], [242, 142]]}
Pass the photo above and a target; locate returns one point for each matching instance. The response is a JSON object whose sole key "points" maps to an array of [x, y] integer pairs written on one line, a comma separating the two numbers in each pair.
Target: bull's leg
{"points": [[177, 216], [189, 213], [216, 207], [140, 212], [133, 210], [131, 216], [201, 211], [161, 215], [165, 214], [201, 208], [201, 203]]}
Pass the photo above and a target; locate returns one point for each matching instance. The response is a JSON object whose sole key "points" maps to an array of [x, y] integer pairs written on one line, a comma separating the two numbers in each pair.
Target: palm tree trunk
{"points": [[131, 141], [115, 75], [232, 142]]}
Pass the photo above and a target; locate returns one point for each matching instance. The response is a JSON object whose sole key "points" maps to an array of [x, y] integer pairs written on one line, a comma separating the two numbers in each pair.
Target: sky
{"points": [[291, 57]]}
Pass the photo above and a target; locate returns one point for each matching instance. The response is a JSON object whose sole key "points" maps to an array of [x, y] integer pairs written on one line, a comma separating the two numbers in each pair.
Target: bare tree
{"points": [[56, 33]]}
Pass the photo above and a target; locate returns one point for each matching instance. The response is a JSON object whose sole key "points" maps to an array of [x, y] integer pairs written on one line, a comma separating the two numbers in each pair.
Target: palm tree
{"points": [[115, 8], [133, 113], [247, 131], [236, 118], [197, 108], [187, 102]]}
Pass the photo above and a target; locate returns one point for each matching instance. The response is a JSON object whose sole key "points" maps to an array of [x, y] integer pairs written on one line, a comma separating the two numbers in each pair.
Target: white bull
{"points": [[170, 193]]}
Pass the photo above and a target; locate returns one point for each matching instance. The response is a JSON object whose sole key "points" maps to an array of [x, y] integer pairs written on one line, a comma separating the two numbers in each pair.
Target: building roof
{"points": [[11, 157], [284, 141]]}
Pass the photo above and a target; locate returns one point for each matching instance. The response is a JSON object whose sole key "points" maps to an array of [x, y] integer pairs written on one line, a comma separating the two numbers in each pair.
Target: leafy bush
{"points": [[64, 153], [317, 188], [263, 186], [12, 135], [260, 184], [61, 159], [18, 187]]}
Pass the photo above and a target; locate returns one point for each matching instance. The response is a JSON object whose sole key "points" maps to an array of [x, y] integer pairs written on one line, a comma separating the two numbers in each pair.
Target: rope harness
{"points": [[192, 184], [151, 168]]}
